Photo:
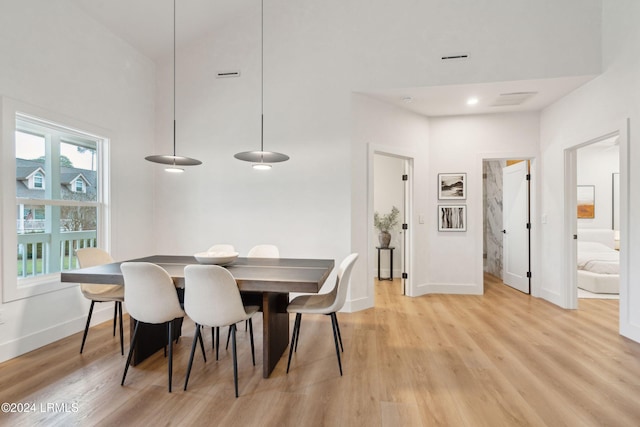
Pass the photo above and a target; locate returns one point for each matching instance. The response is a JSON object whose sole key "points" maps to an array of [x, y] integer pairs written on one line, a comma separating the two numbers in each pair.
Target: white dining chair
{"points": [[212, 299], [151, 298], [90, 257], [264, 251], [215, 332], [221, 248], [327, 304]]}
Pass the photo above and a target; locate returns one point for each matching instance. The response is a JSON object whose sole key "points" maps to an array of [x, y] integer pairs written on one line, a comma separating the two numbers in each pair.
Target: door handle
{"points": [[504, 231]]}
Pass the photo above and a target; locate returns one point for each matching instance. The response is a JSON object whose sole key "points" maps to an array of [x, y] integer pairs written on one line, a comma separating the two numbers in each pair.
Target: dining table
{"points": [[266, 282]]}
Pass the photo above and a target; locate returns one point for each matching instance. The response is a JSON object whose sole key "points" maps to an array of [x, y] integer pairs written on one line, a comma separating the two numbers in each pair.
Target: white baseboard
{"points": [[27, 343], [448, 288], [384, 273], [357, 305], [552, 297]]}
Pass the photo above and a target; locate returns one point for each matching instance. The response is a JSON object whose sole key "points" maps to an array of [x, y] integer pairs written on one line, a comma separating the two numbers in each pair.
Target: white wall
{"points": [[55, 58], [459, 144], [596, 109], [595, 166], [378, 127]]}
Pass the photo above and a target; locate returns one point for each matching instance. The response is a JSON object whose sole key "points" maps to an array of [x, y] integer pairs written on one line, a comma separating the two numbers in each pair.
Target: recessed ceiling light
{"points": [[407, 99], [472, 101]]}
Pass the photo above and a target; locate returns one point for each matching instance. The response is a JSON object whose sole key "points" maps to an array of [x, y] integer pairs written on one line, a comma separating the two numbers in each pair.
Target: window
{"points": [[38, 181], [58, 183], [78, 186]]}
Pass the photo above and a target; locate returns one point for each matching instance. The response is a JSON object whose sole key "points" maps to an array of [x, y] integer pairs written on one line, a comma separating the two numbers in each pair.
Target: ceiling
{"points": [[452, 100], [147, 25]]}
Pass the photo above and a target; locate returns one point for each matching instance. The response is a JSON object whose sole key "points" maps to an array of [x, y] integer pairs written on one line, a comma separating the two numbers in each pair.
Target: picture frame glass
{"points": [[586, 201], [452, 186], [452, 217]]}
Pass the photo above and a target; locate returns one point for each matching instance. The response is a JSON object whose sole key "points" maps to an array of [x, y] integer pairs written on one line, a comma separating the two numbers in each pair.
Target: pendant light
{"points": [[171, 159], [261, 159]]}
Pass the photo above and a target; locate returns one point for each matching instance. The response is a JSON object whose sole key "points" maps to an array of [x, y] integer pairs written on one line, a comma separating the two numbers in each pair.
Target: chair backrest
{"points": [[149, 293], [221, 248], [90, 257], [264, 251], [211, 296], [342, 282]]}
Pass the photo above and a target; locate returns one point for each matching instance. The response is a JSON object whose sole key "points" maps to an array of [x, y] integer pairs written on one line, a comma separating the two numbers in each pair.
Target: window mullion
{"points": [[52, 192]]}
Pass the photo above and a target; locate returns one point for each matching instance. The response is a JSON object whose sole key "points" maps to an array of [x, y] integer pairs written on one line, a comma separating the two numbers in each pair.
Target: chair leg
{"points": [[228, 336], [253, 352], [204, 356], [193, 350], [335, 339], [213, 338], [294, 334], [338, 329], [235, 359], [170, 341], [217, 341], [295, 348], [115, 316], [166, 327], [133, 344], [119, 305], [86, 328]]}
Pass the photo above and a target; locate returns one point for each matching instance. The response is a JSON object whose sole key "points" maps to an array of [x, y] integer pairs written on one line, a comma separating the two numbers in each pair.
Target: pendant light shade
{"points": [[261, 158], [167, 159], [172, 159]]}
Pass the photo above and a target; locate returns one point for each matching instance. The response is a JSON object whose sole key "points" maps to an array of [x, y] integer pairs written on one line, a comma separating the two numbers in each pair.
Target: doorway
{"points": [[598, 219], [390, 185], [507, 221], [595, 217]]}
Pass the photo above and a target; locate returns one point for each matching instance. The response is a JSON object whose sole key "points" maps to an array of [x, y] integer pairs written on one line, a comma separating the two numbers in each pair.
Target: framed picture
{"points": [[452, 186], [452, 217], [586, 201]]}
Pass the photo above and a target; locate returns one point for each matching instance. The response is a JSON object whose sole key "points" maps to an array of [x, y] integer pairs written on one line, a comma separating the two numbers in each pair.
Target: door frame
{"points": [[408, 156], [534, 202], [570, 291]]}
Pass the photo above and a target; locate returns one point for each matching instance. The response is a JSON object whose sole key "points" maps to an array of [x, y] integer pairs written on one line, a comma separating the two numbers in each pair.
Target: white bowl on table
{"points": [[218, 258]]}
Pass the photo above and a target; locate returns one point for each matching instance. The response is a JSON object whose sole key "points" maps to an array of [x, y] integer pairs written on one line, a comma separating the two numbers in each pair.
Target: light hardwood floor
{"points": [[501, 359]]}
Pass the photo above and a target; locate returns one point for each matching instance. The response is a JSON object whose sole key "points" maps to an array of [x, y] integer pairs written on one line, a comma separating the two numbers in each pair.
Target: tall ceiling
{"points": [[147, 25]]}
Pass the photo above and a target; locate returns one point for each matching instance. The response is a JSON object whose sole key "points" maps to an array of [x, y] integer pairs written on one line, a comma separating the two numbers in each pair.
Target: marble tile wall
{"points": [[492, 183]]}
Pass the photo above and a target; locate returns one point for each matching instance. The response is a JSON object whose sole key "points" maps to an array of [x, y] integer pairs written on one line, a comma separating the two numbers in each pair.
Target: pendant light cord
{"points": [[262, 75], [174, 78]]}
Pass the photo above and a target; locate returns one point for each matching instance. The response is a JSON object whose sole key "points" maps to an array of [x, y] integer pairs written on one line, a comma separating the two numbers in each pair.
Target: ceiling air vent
{"points": [[513, 98], [455, 57], [227, 74]]}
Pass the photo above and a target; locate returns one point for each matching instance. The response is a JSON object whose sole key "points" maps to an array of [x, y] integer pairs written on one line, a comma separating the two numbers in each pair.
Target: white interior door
{"points": [[515, 217]]}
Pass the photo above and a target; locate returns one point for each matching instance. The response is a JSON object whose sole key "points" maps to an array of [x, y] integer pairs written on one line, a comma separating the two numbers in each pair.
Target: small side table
{"points": [[390, 249]]}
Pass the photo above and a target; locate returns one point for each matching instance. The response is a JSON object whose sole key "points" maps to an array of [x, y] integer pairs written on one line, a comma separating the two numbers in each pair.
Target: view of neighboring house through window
{"points": [[58, 197]]}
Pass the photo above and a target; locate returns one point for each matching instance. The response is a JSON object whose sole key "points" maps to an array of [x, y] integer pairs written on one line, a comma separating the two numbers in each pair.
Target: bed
{"points": [[598, 261]]}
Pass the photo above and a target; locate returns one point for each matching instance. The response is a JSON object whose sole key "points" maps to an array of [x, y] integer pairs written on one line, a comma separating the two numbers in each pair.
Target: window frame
{"points": [[14, 288], [79, 185], [37, 181]]}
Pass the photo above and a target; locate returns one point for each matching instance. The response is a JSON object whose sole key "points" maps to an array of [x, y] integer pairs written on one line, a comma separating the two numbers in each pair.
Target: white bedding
{"points": [[598, 258]]}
